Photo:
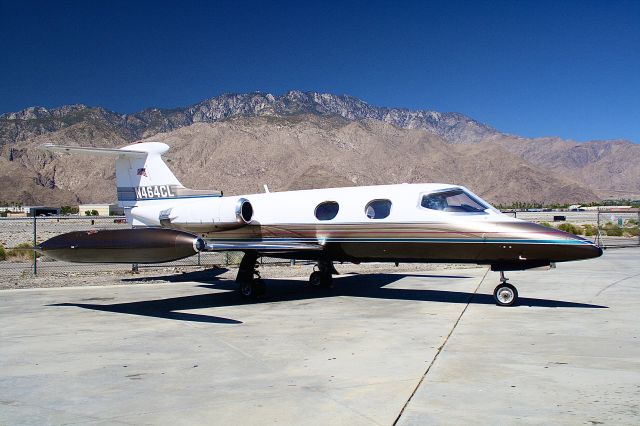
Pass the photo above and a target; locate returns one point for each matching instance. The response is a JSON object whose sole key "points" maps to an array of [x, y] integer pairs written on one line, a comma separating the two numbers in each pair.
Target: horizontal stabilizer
{"points": [[109, 152]]}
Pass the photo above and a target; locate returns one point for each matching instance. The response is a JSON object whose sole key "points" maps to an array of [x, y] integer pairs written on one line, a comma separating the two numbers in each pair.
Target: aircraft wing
{"points": [[263, 246]]}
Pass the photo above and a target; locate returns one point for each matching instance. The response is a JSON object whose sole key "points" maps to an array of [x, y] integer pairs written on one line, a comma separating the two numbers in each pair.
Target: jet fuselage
{"points": [[412, 228]]}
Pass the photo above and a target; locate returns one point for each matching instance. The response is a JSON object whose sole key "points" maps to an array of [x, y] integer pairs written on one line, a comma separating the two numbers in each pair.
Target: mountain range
{"points": [[238, 142]]}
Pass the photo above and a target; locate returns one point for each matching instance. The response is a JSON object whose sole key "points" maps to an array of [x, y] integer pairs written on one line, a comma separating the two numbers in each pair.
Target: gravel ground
{"points": [[176, 274]]}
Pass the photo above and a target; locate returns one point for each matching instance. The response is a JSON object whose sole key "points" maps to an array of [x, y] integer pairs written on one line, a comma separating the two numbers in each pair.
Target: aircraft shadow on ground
{"points": [[281, 290], [203, 276]]}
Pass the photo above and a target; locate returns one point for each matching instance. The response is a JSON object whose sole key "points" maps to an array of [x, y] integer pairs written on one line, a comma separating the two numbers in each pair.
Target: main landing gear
{"points": [[504, 293], [250, 285], [322, 278]]}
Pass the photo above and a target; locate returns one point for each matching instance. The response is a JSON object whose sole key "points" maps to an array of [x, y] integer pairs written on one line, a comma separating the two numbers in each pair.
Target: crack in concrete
{"points": [[433, 361], [614, 283]]}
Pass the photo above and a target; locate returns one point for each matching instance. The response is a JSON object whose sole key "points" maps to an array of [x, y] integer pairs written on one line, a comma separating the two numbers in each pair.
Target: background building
{"points": [[41, 211], [102, 209]]}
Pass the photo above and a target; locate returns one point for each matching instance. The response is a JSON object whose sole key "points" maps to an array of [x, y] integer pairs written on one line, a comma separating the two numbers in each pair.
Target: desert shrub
{"points": [[590, 230], [3, 253], [631, 232], [547, 224], [66, 210], [23, 251], [632, 221], [613, 231], [570, 228]]}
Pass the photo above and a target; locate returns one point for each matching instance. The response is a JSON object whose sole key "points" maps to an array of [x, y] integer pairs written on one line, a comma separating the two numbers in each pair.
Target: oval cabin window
{"points": [[327, 210], [378, 209]]}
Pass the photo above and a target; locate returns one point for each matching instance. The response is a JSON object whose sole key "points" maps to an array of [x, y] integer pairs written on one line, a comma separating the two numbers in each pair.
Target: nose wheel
{"points": [[505, 294]]}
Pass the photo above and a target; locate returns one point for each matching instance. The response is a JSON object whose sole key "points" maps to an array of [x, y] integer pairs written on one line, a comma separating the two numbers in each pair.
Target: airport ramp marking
{"points": [[433, 361]]}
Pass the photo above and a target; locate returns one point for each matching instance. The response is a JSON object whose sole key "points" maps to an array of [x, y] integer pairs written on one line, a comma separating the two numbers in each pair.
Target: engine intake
{"points": [[244, 210]]}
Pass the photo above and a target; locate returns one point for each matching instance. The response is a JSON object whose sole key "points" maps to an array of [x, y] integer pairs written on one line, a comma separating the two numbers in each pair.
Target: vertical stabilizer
{"points": [[145, 170], [144, 177]]}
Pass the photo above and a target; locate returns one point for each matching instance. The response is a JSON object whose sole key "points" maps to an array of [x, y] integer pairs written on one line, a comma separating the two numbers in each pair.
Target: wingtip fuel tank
{"points": [[145, 245]]}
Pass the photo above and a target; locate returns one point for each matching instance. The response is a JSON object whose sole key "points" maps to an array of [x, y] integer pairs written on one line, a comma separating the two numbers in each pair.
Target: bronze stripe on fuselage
{"points": [[474, 242]]}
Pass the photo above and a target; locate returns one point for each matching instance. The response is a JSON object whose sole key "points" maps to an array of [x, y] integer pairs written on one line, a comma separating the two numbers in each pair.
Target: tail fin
{"points": [[140, 172]]}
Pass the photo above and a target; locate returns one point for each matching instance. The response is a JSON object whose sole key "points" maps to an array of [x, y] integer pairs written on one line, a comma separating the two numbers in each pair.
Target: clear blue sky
{"points": [[533, 68]]}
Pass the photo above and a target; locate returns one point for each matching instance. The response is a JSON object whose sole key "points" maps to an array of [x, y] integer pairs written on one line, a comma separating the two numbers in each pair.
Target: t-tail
{"points": [[141, 174]]}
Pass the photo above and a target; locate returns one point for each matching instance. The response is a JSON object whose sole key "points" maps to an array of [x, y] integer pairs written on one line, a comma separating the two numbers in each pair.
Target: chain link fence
{"points": [[607, 228]]}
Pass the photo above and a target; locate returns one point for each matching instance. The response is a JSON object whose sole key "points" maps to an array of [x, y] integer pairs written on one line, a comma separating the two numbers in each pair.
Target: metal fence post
{"points": [[35, 241], [598, 237]]}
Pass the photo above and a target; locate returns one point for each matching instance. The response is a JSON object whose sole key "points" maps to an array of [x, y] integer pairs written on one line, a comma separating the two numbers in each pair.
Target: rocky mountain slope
{"points": [[454, 127], [304, 140]]}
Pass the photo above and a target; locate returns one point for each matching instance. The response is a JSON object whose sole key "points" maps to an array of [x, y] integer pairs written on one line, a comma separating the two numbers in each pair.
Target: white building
{"points": [[102, 209]]}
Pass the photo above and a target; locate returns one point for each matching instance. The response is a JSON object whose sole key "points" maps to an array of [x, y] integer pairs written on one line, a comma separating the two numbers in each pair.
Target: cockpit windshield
{"points": [[453, 200]]}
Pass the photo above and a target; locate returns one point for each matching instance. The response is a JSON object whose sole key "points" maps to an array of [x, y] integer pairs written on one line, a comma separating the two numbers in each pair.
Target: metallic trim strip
{"points": [[400, 240], [261, 245]]}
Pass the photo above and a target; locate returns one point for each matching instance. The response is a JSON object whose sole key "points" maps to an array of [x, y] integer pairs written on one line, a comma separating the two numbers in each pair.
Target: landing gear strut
{"points": [[504, 293], [322, 278], [250, 285]]}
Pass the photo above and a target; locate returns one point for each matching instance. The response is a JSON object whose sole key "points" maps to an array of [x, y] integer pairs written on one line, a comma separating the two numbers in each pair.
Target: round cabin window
{"points": [[327, 210], [378, 209]]}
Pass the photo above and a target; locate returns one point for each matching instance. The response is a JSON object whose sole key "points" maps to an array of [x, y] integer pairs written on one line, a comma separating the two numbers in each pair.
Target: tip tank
{"points": [[144, 245]]}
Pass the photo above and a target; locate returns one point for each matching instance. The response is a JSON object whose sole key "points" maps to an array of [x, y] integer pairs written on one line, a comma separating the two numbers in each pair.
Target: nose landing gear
{"points": [[505, 294]]}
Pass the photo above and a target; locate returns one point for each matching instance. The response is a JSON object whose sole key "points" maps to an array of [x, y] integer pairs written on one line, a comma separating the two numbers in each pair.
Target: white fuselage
{"points": [[298, 207]]}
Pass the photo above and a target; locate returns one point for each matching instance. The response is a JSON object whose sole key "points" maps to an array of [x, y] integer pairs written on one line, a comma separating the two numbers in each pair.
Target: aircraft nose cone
{"points": [[584, 250], [588, 251]]}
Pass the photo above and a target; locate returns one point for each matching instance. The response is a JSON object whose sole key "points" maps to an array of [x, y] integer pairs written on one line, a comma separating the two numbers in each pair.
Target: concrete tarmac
{"points": [[427, 348]]}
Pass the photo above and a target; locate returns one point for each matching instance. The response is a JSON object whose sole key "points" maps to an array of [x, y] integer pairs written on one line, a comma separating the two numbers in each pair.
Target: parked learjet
{"points": [[417, 223]]}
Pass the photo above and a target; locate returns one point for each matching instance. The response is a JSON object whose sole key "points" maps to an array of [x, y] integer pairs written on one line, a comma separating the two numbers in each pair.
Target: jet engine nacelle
{"points": [[146, 245], [210, 215]]}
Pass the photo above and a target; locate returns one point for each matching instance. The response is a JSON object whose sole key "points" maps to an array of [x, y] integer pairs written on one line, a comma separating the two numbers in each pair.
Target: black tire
{"points": [[315, 279], [260, 288], [505, 295], [251, 289], [320, 280]]}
